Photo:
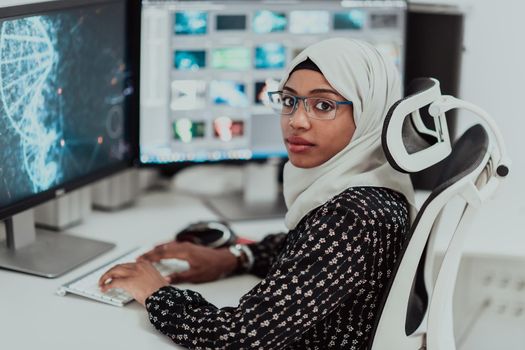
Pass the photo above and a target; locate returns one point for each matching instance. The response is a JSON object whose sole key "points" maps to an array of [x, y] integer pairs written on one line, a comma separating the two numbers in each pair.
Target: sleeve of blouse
{"points": [[324, 268], [265, 252]]}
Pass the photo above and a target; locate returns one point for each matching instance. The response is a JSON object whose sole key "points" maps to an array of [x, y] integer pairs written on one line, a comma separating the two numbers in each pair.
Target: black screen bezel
{"points": [[133, 22]]}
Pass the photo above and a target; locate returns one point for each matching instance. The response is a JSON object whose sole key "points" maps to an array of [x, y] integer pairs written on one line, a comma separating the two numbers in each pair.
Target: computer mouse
{"points": [[213, 234]]}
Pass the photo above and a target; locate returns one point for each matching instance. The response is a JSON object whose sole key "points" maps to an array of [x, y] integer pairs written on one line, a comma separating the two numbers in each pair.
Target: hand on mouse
{"points": [[206, 264]]}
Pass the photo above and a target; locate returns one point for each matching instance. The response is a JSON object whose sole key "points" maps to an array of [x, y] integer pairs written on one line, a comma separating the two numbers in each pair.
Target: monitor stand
{"points": [[117, 191], [44, 253], [261, 197]]}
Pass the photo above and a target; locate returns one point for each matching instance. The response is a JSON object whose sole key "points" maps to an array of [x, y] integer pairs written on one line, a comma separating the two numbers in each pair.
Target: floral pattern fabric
{"points": [[322, 282]]}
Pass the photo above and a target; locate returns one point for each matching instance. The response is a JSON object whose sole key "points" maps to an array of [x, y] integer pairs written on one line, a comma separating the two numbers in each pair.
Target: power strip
{"points": [[489, 303]]}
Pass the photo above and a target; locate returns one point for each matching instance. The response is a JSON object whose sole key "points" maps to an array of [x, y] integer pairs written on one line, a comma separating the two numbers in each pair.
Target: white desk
{"points": [[33, 317]]}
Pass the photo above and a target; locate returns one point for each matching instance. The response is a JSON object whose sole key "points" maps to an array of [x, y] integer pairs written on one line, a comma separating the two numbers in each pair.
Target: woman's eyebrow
{"points": [[314, 91], [318, 91]]}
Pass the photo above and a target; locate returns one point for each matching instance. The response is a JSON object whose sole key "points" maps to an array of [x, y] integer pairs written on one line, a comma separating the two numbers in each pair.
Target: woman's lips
{"points": [[297, 144]]}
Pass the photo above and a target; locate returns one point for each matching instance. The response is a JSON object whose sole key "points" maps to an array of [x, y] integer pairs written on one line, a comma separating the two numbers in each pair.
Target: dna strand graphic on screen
{"points": [[27, 58]]}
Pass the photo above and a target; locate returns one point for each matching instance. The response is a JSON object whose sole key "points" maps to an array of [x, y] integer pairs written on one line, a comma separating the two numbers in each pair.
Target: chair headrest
{"points": [[404, 140], [408, 144]]}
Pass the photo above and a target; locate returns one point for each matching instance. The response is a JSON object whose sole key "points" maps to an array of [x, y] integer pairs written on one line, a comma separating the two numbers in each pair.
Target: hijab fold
{"points": [[361, 74]]}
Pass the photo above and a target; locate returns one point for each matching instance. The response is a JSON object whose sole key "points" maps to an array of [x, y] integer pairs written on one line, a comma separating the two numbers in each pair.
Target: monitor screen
{"points": [[204, 82], [230, 22], [269, 22], [64, 98], [190, 23]]}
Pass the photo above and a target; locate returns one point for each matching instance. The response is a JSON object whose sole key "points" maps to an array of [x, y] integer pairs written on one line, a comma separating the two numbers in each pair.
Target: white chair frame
{"points": [[435, 331]]}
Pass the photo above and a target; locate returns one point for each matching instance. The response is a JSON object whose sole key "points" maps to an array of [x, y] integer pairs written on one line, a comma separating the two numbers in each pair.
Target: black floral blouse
{"points": [[321, 286]]}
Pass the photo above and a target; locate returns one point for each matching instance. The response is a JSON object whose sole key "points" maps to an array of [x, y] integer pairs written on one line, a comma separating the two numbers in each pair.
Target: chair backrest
{"points": [[416, 310]]}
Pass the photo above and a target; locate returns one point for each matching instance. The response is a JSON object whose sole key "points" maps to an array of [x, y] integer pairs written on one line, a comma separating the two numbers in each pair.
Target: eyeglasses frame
{"points": [[306, 106]]}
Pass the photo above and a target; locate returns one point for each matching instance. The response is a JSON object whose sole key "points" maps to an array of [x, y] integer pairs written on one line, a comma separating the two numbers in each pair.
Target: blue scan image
{"points": [[353, 19], [27, 58], [227, 92], [190, 59], [191, 23], [63, 79], [270, 56], [269, 22]]}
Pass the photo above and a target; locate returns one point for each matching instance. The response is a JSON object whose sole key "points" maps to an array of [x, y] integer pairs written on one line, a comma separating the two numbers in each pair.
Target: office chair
{"points": [[416, 311]]}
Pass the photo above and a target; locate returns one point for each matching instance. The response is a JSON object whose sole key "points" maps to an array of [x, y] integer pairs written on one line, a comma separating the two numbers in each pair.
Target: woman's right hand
{"points": [[206, 264]]}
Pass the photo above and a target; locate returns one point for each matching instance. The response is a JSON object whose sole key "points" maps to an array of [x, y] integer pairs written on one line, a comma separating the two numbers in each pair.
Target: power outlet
{"points": [[489, 290]]}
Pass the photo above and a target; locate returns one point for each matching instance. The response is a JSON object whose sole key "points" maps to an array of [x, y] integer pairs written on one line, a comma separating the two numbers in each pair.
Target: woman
{"points": [[348, 215]]}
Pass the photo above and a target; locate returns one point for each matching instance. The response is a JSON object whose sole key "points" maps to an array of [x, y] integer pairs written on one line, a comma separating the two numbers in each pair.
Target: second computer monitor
{"points": [[68, 101], [66, 92], [206, 68]]}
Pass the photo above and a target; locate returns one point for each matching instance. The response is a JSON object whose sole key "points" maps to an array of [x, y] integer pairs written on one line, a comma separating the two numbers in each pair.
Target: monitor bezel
{"points": [[133, 23]]}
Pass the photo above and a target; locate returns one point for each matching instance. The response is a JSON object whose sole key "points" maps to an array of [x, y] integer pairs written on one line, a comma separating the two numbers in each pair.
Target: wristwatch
{"points": [[243, 255]]}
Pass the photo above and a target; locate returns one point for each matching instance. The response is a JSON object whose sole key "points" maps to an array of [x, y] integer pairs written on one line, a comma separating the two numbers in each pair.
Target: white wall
{"points": [[493, 77]]}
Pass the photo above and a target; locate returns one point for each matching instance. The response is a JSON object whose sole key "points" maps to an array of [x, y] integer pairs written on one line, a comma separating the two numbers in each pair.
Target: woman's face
{"points": [[311, 142]]}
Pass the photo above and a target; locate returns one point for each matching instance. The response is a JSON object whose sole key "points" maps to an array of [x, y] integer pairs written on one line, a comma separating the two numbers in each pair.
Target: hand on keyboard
{"points": [[176, 262], [206, 264], [140, 279], [88, 284]]}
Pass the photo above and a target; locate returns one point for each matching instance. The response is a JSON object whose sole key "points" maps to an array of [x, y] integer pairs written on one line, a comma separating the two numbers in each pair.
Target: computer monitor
{"points": [[228, 54], [68, 101]]}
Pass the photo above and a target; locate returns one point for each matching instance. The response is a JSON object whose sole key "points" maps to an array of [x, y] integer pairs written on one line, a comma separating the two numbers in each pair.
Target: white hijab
{"points": [[359, 73]]}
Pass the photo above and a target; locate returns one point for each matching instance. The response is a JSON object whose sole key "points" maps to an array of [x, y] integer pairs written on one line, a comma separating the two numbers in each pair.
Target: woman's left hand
{"points": [[139, 279]]}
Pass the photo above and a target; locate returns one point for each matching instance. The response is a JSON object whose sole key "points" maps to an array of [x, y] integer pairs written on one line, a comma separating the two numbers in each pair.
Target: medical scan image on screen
{"points": [[309, 22], [231, 58], [63, 93], [354, 19], [226, 92], [270, 55], [269, 22], [190, 23], [189, 59]]}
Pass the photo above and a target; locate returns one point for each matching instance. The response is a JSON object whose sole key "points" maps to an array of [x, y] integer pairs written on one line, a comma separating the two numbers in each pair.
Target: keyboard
{"points": [[87, 285]]}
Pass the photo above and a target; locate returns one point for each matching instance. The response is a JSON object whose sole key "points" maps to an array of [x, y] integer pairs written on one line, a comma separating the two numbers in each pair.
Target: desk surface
{"points": [[33, 317]]}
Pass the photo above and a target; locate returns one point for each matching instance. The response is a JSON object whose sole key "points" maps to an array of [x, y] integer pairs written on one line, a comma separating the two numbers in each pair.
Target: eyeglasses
{"points": [[316, 107]]}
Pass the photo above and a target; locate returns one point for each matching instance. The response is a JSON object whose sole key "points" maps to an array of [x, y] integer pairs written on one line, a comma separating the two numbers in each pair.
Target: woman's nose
{"points": [[299, 119]]}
